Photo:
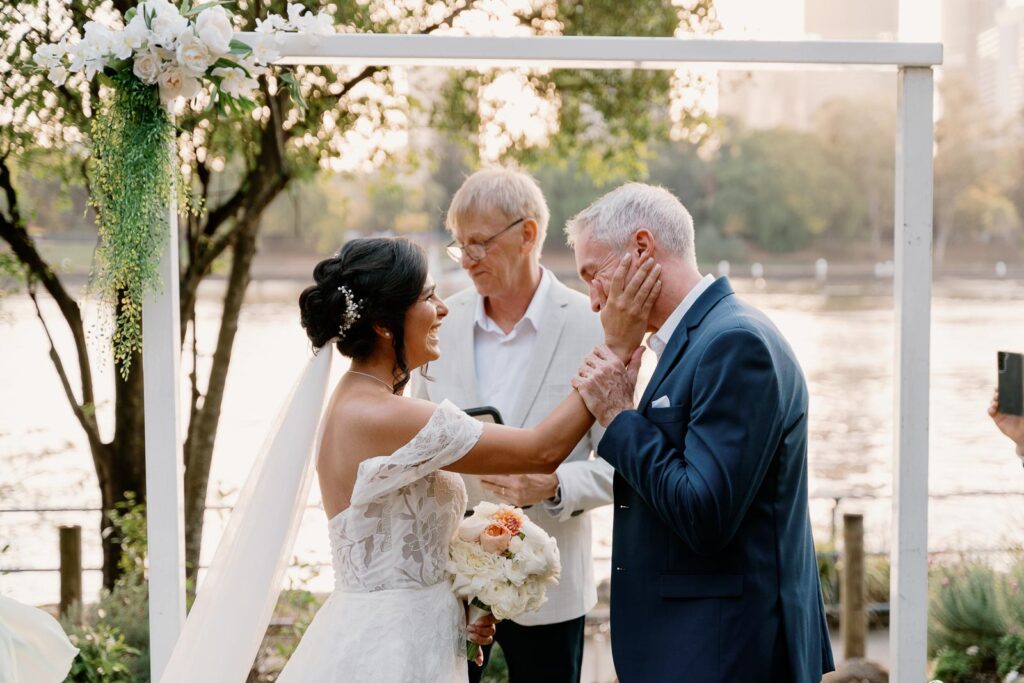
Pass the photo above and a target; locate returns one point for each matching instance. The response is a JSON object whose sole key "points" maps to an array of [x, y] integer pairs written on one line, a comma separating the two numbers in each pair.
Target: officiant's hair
{"points": [[502, 193], [382, 277], [615, 217]]}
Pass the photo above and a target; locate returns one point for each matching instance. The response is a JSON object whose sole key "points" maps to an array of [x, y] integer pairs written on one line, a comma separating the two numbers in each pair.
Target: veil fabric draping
{"points": [[226, 625]]}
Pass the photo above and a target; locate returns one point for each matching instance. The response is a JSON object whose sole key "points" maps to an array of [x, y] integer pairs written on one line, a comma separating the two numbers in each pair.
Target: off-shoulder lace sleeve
{"points": [[447, 436]]}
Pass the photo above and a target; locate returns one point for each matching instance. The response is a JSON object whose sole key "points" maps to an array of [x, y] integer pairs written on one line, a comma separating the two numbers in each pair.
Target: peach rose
{"points": [[495, 539]]}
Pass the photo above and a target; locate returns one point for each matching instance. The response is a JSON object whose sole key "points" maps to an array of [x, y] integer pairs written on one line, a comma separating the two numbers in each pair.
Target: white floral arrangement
{"points": [[180, 50], [501, 563]]}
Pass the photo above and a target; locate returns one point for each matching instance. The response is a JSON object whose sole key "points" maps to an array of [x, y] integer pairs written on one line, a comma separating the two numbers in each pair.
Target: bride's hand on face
{"points": [[628, 303]]}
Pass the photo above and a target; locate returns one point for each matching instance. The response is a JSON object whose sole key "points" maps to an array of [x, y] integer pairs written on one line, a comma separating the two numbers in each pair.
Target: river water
{"points": [[842, 334]]}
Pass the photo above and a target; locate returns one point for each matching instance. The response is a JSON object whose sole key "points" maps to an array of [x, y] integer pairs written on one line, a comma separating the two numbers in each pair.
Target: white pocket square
{"points": [[662, 402]]}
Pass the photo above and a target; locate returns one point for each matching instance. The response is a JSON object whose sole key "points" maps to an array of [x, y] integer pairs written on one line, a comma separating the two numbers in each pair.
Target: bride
{"points": [[387, 467]]}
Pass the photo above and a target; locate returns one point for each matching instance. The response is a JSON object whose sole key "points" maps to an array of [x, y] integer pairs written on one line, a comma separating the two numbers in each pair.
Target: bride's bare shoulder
{"points": [[387, 422]]}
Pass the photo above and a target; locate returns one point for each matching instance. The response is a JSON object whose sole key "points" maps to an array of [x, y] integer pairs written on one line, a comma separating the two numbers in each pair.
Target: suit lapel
{"points": [[718, 290], [552, 322]]}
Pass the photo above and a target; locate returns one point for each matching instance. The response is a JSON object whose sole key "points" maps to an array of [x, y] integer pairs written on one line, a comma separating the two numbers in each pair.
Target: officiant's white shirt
{"points": [[502, 359], [659, 340]]}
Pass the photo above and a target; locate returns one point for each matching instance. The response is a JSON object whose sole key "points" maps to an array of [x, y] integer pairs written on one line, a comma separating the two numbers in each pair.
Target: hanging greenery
{"points": [[162, 55], [133, 175]]}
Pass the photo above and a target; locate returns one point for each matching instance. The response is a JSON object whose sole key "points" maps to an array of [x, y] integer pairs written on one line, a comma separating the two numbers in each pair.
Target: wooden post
{"points": [[70, 568], [853, 622]]}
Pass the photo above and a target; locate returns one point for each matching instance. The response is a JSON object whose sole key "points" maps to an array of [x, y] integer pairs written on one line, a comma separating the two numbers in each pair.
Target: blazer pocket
{"points": [[700, 585], [670, 414]]}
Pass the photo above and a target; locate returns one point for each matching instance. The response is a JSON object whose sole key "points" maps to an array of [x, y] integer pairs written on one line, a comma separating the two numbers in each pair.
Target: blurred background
{"points": [[788, 173]]}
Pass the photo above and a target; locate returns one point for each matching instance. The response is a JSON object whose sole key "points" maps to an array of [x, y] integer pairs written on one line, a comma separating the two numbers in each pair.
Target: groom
{"points": [[714, 573]]}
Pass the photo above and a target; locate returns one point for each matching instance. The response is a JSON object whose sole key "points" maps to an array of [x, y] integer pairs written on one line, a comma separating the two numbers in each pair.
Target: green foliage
{"points": [[497, 669], [959, 666], [133, 183], [102, 656], [1010, 655], [113, 635], [779, 190], [964, 609]]}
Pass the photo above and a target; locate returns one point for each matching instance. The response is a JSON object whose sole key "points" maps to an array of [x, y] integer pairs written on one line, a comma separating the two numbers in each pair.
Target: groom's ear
{"points": [[643, 243], [529, 235]]}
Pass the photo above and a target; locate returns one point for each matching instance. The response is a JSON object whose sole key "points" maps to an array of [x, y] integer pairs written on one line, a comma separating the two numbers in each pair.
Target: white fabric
{"points": [[500, 358], [33, 647], [659, 340], [393, 615], [567, 331], [223, 632]]}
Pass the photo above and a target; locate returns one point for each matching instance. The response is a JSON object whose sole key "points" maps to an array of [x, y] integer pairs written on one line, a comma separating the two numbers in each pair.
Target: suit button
{"points": [[623, 507], [620, 569]]}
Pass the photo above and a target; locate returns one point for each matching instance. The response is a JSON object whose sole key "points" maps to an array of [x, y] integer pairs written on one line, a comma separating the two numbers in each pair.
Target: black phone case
{"points": [[485, 410], [1011, 383]]}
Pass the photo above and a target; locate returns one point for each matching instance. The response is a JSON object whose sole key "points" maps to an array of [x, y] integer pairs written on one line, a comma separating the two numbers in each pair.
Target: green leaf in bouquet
{"points": [[239, 48], [130, 14], [186, 6]]}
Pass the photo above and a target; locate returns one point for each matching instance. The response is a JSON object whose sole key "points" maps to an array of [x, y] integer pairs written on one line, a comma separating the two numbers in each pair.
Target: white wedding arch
{"points": [[912, 287]]}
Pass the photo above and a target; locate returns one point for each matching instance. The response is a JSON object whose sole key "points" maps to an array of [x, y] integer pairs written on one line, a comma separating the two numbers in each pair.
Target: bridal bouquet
{"points": [[501, 563]]}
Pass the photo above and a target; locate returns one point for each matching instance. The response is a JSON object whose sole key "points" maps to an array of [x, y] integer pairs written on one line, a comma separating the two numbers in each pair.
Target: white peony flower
{"points": [[175, 82], [146, 67], [99, 37], [193, 54], [235, 82], [214, 28], [58, 75]]}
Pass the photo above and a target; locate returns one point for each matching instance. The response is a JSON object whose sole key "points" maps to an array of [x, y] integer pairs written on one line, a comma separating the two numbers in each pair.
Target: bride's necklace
{"points": [[373, 377]]}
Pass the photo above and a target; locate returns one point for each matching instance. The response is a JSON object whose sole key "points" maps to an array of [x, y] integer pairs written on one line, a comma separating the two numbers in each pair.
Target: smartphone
{"points": [[1011, 383], [485, 414]]}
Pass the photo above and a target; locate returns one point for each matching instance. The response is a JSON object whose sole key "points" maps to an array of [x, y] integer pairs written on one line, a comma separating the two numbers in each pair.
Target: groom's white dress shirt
{"points": [[525, 374], [659, 340]]}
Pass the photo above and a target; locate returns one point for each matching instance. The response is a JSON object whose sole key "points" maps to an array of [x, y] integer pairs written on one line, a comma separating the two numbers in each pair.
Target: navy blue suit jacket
{"points": [[714, 576]]}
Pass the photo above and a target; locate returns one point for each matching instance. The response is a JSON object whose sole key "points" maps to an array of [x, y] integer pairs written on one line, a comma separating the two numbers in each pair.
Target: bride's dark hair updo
{"points": [[384, 277]]}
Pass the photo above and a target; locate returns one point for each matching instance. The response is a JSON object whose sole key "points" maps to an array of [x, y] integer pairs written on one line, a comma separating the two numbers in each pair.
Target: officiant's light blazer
{"points": [[568, 331]]}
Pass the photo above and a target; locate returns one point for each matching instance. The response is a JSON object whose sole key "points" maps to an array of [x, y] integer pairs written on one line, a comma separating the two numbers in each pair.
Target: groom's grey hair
{"points": [[614, 219], [500, 193]]}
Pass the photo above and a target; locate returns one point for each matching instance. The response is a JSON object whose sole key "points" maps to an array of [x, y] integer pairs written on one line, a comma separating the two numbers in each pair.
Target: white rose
{"points": [[234, 82], [175, 82], [214, 28], [472, 568], [58, 75], [471, 528], [146, 67], [193, 54]]}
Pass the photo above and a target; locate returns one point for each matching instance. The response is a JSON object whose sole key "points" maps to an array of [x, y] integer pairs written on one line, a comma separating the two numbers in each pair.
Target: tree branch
{"points": [[14, 232], [87, 420]]}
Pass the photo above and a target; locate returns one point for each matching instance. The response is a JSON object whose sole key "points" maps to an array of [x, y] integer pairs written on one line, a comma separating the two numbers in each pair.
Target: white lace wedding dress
{"points": [[392, 617]]}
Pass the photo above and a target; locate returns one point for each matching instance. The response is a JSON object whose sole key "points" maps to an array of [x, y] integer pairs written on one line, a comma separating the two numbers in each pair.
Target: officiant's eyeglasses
{"points": [[478, 250]]}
